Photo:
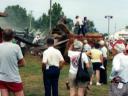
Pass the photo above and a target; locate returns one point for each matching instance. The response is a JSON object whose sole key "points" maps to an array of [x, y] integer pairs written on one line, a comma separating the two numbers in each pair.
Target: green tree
{"points": [[69, 23], [56, 13], [91, 26], [43, 22], [17, 17]]}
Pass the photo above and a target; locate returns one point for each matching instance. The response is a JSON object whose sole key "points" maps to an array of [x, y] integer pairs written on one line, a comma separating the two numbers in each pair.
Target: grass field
{"points": [[33, 83]]}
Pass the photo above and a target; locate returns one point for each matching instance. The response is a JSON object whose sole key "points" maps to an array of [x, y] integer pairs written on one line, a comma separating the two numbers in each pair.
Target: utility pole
{"points": [[30, 23], [50, 17], [108, 17]]}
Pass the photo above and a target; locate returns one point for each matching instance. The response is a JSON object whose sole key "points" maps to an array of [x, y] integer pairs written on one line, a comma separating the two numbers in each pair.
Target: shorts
{"points": [[96, 66], [11, 86], [73, 84]]}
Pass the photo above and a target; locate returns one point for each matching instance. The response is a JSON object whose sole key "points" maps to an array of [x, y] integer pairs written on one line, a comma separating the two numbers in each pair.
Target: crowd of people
{"points": [[93, 58]]}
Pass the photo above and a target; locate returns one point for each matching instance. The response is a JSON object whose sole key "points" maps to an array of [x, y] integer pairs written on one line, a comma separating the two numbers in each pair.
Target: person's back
{"points": [[54, 58], [51, 64], [10, 59], [74, 55], [8, 62], [95, 55]]}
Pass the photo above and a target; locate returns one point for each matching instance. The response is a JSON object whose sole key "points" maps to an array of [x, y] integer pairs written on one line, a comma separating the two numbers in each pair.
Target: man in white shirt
{"points": [[52, 62]]}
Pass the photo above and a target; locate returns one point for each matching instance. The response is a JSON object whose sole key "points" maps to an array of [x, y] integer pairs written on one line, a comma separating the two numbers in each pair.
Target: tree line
{"points": [[18, 18]]}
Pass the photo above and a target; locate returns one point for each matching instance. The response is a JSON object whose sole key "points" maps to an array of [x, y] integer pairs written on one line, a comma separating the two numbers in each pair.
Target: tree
{"points": [[126, 27], [69, 23], [56, 13], [43, 21], [91, 26], [17, 17]]}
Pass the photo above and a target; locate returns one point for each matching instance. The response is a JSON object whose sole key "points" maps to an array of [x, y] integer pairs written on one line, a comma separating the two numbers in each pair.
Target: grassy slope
{"points": [[33, 83]]}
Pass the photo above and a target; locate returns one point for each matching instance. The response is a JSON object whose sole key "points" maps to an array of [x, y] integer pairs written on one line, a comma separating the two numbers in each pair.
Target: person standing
{"points": [[97, 61], [78, 25], [23, 48], [119, 75], [87, 47], [11, 59], [84, 26], [103, 72], [74, 53], [52, 62]]}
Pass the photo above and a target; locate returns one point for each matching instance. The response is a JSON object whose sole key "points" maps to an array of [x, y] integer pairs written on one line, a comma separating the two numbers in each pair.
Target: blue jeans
{"points": [[51, 77]]}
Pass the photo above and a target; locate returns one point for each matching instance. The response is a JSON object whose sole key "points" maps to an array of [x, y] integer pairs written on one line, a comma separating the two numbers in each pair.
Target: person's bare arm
{"points": [[87, 65], [43, 66], [61, 64], [21, 63]]}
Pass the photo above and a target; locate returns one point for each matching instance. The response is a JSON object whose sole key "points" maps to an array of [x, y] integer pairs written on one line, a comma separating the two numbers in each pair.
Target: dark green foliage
{"points": [[91, 26], [17, 16]]}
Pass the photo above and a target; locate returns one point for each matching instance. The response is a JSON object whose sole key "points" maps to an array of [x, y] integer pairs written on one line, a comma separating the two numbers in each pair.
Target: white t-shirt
{"points": [[10, 54], [52, 56], [104, 51], [74, 55], [78, 21], [120, 65]]}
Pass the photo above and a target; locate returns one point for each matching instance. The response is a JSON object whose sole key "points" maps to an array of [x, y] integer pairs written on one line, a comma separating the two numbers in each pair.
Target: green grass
{"points": [[33, 83]]}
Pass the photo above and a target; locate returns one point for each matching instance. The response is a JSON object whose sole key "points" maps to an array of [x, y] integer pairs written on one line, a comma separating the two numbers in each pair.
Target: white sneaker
{"points": [[98, 84], [102, 67]]}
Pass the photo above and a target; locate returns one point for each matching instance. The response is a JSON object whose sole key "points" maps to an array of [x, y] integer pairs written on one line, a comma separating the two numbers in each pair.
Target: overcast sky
{"points": [[94, 10]]}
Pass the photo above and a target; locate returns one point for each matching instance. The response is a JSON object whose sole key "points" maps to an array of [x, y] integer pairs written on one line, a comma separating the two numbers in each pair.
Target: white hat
{"points": [[119, 46], [101, 42], [77, 44]]}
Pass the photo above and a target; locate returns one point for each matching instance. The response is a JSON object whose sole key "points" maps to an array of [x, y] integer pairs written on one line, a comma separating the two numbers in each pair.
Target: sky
{"points": [[94, 10]]}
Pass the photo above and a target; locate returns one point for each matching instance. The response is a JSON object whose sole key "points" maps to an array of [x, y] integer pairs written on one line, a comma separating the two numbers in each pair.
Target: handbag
{"points": [[82, 73]]}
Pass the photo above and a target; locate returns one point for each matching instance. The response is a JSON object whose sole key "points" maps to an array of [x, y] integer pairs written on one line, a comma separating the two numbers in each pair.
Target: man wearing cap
{"points": [[119, 75], [74, 53]]}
